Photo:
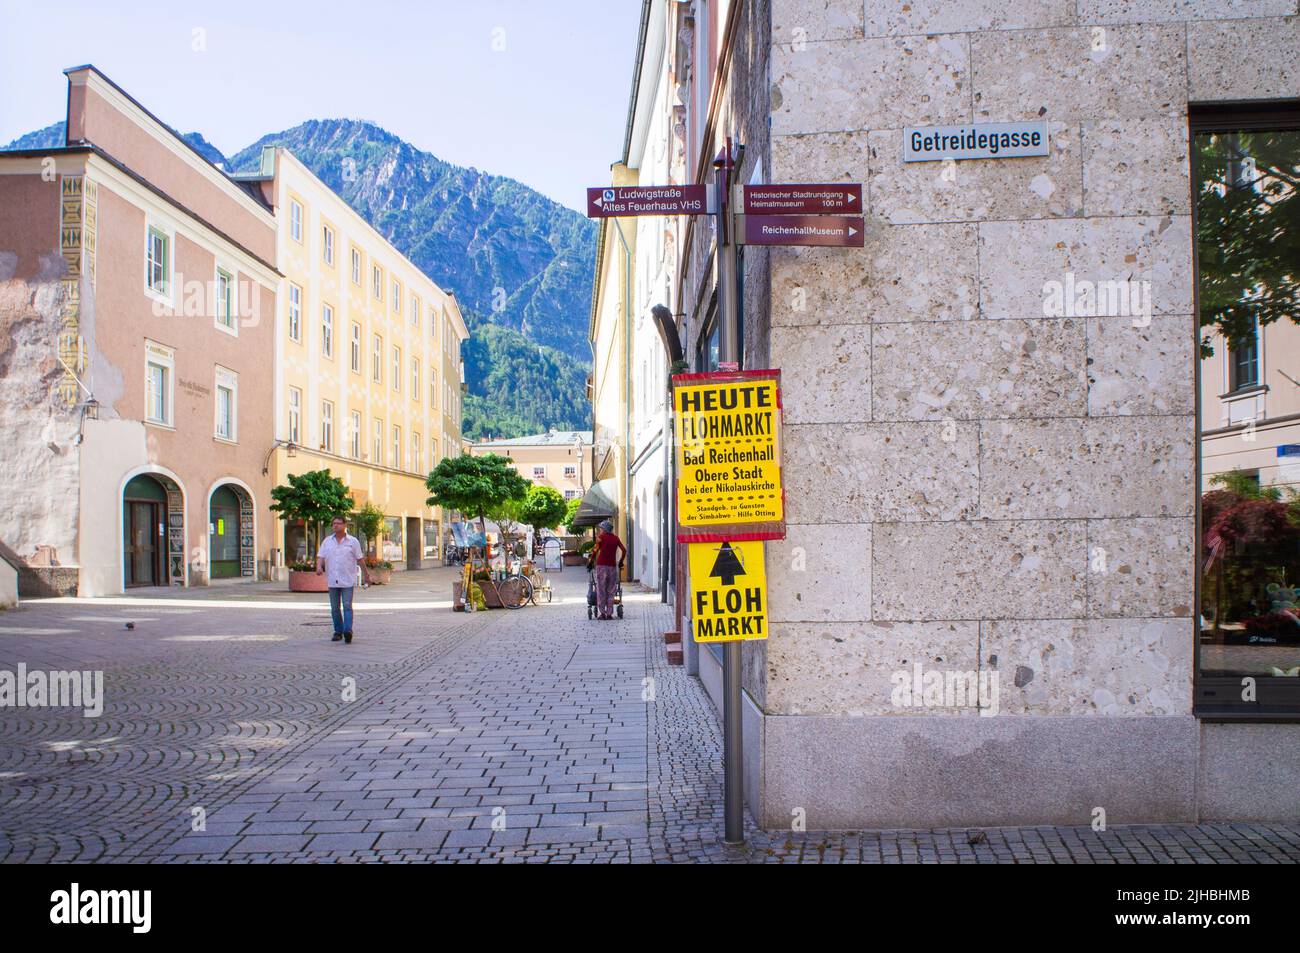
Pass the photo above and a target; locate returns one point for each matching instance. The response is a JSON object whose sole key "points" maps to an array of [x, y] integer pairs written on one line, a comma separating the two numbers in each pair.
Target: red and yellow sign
{"points": [[728, 436]]}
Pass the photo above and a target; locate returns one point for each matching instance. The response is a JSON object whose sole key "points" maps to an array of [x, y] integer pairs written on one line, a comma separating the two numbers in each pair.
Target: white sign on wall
{"points": [[988, 140]]}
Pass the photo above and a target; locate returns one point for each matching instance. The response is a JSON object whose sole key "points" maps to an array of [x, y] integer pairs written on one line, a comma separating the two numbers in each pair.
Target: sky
{"points": [[532, 89]]}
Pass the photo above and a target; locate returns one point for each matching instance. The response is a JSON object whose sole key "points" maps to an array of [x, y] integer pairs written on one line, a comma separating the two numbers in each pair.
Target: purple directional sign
{"points": [[617, 201], [803, 198], [835, 231]]}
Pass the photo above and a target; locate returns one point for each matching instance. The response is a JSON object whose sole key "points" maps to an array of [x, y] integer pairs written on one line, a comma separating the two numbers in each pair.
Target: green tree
{"points": [[1247, 231], [315, 497], [571, 513], [544, 508], [369, 521], [507, 516], [475, 485]]}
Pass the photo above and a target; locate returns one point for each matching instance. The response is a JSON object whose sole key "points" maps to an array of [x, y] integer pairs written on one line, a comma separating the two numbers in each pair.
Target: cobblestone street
{"points": [[524, 736]]}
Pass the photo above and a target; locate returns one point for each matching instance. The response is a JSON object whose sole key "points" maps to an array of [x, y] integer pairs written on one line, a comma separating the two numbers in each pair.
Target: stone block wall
{"points": [[974, 482]]}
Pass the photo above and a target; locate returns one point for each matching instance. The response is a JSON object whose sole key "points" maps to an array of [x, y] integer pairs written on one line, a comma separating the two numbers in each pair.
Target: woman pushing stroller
{"points": [[607, 558]]}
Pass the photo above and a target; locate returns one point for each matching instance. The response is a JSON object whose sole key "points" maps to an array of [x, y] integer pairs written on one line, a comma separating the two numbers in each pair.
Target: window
{"points": [[377, 447], [295, 221], [433, 388], [433, 452], [295, 415], [1244, 164], [539, 473], [327, 331], [160, 362], [417, 453], [378, 281], [415, 378], [354, 436], [377, 358], [1243, 363], [397, 368], [295, 313], [571, 494], [327, 426], [227, 389], [393, 548], [570, 472], [327, 244], [356, 267], [415, 311], [157, 272], [356, 348], [397, 297], [225, 300], [398, 462]]}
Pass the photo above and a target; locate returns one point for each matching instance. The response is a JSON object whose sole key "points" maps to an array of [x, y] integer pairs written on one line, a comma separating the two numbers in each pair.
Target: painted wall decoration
{"points": [[247, 555], [175, 534], [71, 346]]}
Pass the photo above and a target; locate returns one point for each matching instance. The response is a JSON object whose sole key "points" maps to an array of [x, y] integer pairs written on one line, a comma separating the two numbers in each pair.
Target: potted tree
{"points": [[476, 486], [314, 497], [369, 521]]}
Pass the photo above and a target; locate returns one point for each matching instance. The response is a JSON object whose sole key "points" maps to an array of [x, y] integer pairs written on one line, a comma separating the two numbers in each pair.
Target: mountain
{"points": [[519, 263], [54, 135], [51, 137], [513, 257]]}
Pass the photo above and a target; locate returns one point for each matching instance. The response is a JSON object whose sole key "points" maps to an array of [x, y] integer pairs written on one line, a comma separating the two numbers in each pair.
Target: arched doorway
{"points": [[153, 532], [231, 548]]}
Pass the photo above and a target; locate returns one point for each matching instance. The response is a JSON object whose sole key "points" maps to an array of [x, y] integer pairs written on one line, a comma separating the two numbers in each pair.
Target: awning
{"points": [[596, 505]]}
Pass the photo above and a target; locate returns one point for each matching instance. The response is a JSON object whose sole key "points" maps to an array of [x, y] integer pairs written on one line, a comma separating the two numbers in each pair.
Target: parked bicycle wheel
{"points": [[516, 591]]}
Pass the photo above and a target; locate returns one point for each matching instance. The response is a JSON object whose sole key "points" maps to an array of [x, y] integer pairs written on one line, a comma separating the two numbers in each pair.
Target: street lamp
{"points": [[291, 451]]}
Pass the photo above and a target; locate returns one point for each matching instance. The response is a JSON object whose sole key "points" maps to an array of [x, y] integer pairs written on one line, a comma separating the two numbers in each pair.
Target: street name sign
{"points": [[988, 140], [728, 591], [802, 199], [728, 438], [617, 201], [834, 231]]}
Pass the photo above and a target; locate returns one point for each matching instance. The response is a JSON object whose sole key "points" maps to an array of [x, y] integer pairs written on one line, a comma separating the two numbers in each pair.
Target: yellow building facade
{"points": [[610, 334], [368, 364]]}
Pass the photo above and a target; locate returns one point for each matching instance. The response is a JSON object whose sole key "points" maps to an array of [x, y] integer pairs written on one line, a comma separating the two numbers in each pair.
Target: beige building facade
{"points": [[560, 459], [368, 367], [138, 288]]}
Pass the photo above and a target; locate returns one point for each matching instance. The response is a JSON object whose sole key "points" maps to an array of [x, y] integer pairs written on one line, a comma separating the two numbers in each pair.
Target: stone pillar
{"points": [[978, 481]]}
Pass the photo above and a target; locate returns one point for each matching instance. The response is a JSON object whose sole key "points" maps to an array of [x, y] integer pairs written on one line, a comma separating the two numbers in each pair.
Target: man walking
{"points": [[608, 557], [338, 558]]}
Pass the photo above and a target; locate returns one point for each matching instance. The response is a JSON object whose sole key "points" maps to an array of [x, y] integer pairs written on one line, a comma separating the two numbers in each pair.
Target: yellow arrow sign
{"points": [[728, 591]]}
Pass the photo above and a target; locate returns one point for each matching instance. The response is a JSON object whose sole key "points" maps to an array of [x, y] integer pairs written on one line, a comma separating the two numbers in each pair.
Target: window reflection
{"points": [[1247, 193]]}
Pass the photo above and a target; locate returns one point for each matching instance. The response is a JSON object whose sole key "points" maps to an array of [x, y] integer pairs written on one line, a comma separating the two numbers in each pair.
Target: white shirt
{"points": [[340, 560]]}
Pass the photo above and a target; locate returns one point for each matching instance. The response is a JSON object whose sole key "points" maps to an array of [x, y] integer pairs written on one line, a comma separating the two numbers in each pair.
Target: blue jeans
{"points": [[342, 617]]}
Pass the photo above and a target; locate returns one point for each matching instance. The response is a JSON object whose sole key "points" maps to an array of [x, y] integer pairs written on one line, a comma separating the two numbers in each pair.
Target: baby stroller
{"points": [[591, 594]]}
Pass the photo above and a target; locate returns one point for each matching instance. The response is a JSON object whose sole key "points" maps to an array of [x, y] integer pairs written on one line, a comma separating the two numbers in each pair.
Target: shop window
{"points": [[394, 550], [1245, 169]]}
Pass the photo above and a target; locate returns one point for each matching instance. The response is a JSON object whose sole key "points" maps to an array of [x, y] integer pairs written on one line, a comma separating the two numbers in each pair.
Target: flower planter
{"points": [[490, 595], [380, 577], [307, 582], [574, 559]]}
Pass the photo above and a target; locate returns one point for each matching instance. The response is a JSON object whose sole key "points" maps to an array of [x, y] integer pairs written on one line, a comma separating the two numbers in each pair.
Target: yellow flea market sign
{"points": [[728, 428], [728, 591]]}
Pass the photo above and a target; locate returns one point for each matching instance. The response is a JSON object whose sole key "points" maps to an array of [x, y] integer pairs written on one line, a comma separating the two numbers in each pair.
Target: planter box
{"points": [[308, 582], [381, 577], [574, 559]]}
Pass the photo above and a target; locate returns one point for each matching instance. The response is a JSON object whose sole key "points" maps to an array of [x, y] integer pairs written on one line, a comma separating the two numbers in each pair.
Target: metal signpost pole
{"points": [[729, 354]]}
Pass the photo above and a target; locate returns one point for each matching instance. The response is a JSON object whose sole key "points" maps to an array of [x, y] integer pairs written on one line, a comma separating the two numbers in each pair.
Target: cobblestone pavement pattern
{"points": [[530, 736]]}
